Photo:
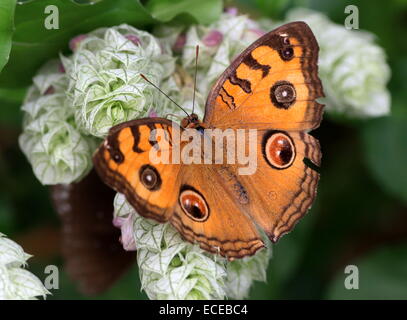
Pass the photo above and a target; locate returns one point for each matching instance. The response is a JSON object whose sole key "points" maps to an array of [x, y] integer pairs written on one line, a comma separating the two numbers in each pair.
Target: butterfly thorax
{"points": [[192, 122]]}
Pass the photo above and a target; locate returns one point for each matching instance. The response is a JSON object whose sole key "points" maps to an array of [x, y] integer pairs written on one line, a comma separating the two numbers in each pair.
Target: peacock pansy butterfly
{"points": [[271, 87]]}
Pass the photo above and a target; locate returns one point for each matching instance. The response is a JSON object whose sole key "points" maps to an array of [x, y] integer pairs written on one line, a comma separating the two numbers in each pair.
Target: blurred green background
{"points": [[360, 214]]}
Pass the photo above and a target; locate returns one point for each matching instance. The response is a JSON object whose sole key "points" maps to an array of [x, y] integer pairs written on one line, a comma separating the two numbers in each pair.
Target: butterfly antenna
{"points": [[196, 71], [145, 78]]}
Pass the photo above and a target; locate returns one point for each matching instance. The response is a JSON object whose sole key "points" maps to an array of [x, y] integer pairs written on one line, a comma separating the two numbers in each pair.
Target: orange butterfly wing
{"points": [[124, 156], [122, 162], [278, 193], [272, 84], [226, 229], [272, 87]]}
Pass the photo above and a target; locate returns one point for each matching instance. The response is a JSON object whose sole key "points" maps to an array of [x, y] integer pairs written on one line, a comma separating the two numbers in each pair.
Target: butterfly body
{"points": [[266, 99], [191, 122]]}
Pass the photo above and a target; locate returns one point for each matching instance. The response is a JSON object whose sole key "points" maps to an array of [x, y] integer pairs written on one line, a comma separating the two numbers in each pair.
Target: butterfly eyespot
{"points": [[115, 154], [283, 94], [118, 158], [287, 53], [112, 146], [285, 40], [194, 205], [279, 150], [150, 178]]}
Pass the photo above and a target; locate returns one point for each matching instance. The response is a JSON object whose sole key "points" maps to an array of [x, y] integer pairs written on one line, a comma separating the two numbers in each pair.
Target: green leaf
{"points": [[382, 275], [6, 29], [203, 12], [86, 2], [7, 215], [10, 102], [273, 8], [33, 44], [385, 143]]}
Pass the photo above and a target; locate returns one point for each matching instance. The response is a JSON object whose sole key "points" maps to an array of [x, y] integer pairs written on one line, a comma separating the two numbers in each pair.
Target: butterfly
{"points": [[272, 87]]}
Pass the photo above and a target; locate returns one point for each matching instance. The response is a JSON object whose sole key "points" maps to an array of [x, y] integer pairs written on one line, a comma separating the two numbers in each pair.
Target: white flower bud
{"points": [[56, 149], [105, 86], [219, 43], [171, 268], [352, 67], [17, 283], [241, 273]]}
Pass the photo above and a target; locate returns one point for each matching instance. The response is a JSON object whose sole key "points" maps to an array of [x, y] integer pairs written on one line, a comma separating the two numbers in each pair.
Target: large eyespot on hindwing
{"points": [[193, 204], [149, 177], [278, 149], [283, 94]]}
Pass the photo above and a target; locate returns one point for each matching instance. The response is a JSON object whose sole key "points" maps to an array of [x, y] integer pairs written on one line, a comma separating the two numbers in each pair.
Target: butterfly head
{"points": [[191, 122]]}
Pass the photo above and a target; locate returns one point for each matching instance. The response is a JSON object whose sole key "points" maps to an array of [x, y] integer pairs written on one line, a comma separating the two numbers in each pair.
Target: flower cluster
{"points": [[51, 140], [105, 86], [171, 268], [241, 273], [74, 101], [16, 282], [352, 67]]}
